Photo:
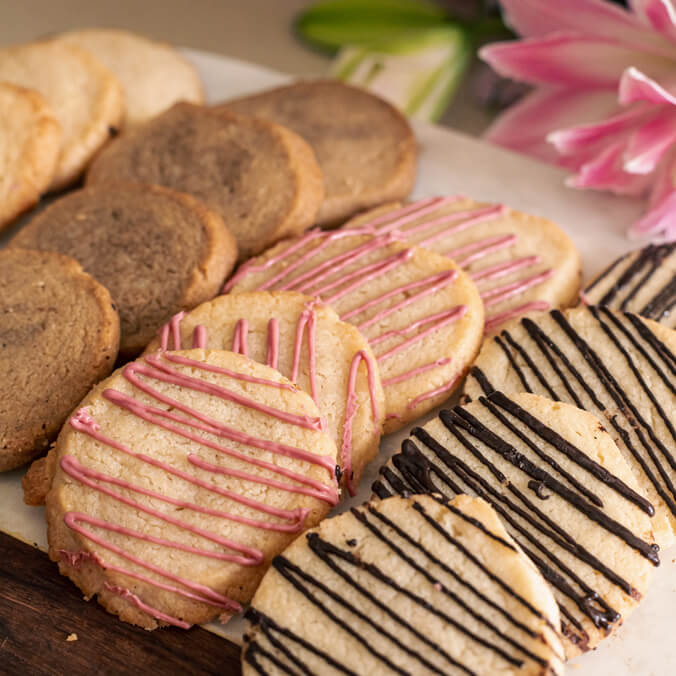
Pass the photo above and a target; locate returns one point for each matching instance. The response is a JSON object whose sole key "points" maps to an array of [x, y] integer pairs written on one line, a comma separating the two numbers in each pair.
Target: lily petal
{"points": [[605, 172], [648, 144], [660, 221], [533, 18], [569, 60], [524, 126], [579, 138], [637, 86], [660, 14], [664, 181]]}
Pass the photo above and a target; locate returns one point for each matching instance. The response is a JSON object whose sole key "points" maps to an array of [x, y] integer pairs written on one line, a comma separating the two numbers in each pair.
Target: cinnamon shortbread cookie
{"points": [[59, 334], [618, 366], [306, 342], [404, 586], [262, 179], [30, 138], [157, 251], [365, 146], [153, 74], [520, 263], [84, 97], [562, 490], [179, 478], [421, 314], [643, 281]]}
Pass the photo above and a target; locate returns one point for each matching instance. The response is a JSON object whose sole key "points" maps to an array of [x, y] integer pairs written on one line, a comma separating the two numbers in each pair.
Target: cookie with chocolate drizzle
{"points": [[420, 312], [179, 478], [562, 490], [642, 281], [616, 365], [306, 342], [415, 585]]}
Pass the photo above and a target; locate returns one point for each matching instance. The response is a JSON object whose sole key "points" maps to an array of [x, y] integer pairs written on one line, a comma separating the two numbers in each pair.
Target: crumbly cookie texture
{"points": [[306, 342], [84, 97], [414, 585], [262, 179], [59, 334], [616, 365], [520, 263], [157, 251], [642, 281], [365, 147], [563, 491], [177, 480], [153, 74], [421, 314], [30, 138]]}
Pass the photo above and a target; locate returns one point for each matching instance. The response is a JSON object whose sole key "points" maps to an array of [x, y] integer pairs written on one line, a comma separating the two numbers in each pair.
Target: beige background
{"points": [[253, 30]]}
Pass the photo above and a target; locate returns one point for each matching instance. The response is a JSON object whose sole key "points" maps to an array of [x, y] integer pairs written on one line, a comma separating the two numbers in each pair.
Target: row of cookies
{"points": [[63, 98], [158, 251]]}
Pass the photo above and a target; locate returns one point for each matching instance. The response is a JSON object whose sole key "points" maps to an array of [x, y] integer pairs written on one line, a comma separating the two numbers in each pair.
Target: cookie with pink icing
{"points": [[308, 343], [421, 314], [178, 479], [521, 263]]}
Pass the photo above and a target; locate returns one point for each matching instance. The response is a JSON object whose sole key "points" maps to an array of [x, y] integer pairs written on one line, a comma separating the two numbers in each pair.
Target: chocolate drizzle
{"points": [[646, 359], [473, 593], [427, 465], [637, 276]]}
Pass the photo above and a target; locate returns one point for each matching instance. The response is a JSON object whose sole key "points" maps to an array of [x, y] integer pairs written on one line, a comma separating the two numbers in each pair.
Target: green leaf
{"points": [[418, 71], [333, 23]]}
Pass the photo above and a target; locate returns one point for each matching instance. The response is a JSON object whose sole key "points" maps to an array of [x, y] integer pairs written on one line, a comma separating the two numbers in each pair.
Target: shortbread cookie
{"points": [[520, 263], [421, 314], [30, 138], [59, 334], [179, 478], [405, 586], [365, 146], [261, 178], [306, 342], [157, 251], [643, 282], [153, 74], [562, 489], [84, 97], [617, 366]]}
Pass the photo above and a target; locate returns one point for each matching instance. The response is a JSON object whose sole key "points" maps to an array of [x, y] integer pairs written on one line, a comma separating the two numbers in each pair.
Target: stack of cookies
{"points": [[507, 534]]}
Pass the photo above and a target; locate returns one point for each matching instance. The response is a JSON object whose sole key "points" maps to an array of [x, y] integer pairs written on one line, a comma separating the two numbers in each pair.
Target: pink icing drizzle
{"points": [[243, 554], [272, 358], [240, 338], [401, 221], [416, 371], [351, 409], [307, 319]]}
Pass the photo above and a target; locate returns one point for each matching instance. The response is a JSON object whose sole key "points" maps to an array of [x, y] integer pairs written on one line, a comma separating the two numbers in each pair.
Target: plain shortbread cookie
{"points": [[421, 314], [59, 335], [84, 97], [563, 491], [157, 251], [365, 146], [153, 74], [179, 478], [261, 178], [30, 138], [306, 342], [406, 586]]}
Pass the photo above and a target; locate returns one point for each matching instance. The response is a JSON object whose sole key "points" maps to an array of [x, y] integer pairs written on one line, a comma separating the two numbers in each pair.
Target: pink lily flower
{"points": [[604, 105]]}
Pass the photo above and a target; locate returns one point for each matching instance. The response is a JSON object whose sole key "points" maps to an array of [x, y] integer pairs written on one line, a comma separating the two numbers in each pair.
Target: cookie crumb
{"points": [[71, 637]]}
